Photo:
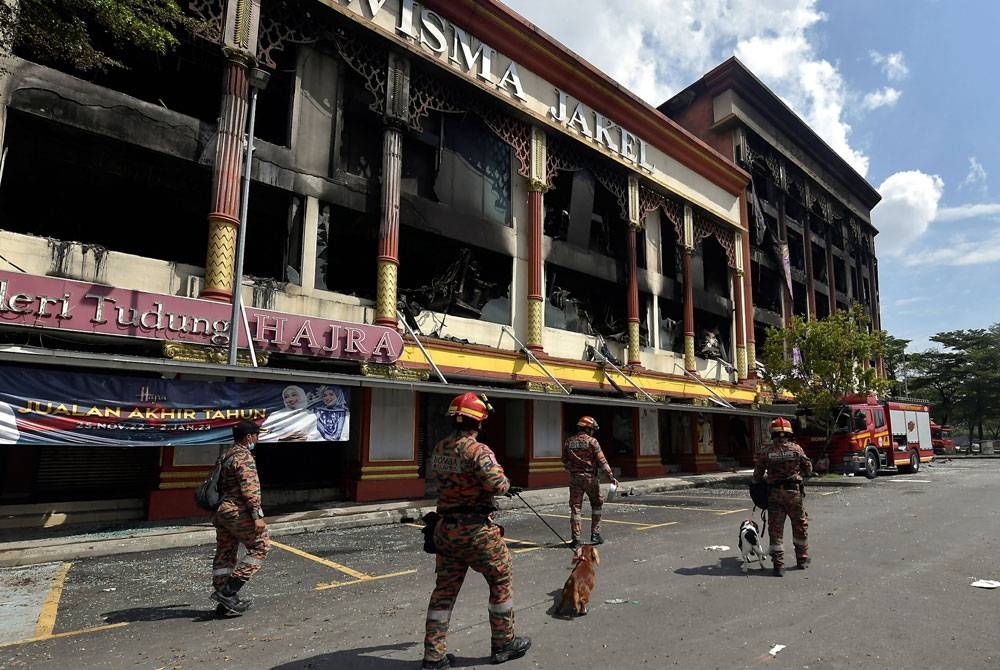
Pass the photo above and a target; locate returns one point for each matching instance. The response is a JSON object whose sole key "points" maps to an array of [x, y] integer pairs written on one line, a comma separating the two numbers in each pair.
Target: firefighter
{"points": [[583, 459], [465, 536], [785, 465]]}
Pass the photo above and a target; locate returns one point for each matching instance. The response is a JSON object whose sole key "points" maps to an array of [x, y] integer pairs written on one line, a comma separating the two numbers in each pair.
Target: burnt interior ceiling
{"points": [[450, 277], [80, 187], [187, 79]]}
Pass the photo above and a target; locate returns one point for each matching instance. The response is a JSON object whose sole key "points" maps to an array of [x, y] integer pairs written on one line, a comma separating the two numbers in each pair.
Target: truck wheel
{"points": [[871, 463], [912, 466]]}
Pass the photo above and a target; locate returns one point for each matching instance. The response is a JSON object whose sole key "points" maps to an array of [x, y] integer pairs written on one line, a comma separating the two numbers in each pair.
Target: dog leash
{"points": [[565, 543]]}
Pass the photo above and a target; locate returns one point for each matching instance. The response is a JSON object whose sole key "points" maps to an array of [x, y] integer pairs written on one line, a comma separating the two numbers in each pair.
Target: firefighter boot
{"points": [[803, 563], [595, 538], [516, 648], [227, 598], [574, 543]]}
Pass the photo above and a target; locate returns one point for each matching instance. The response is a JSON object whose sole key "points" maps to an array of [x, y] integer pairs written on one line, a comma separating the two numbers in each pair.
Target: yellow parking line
{"points": [[51, 636], [603, 520], [656, 525], [669, 495], [368, 578], [322, 561], [50, 608]]}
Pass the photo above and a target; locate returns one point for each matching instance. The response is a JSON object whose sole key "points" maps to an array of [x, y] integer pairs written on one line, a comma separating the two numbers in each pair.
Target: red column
{"points": [[810, 282], [388, 232], [223, 221], [536, 301], [748, 292], [689, 363], [633, 299], [740, 326]]}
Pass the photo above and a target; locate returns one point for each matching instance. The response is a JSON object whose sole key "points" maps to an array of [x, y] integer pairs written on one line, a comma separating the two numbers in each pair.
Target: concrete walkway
{"points": [[150, 537]]}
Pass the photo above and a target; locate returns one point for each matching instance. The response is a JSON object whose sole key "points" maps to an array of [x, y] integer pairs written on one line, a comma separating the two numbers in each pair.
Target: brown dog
{"points": [[581, 581]]}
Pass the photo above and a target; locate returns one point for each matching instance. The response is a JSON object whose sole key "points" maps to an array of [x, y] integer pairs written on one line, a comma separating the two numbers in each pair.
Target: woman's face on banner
{"points": [[330, 397], [292, 395]]}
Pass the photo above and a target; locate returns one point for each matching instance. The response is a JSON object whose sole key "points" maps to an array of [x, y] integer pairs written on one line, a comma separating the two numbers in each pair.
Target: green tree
{"points": [[819, 362], [977, 352], [895, 360], [938, 376], [93, 35]]}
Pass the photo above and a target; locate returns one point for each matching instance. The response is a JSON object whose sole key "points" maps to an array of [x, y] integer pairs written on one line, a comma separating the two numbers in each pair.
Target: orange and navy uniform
{"points": [[583, 459]]}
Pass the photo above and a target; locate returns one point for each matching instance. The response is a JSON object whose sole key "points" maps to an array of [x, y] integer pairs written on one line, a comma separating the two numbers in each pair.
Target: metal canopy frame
{"points": [[165, 366]]}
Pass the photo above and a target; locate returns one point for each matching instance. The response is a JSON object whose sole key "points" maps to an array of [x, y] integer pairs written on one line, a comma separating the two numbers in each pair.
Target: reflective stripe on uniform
{"points": [[776, 547], [438, 615], [596, 511], [250, 560], [799, 541], [221, 571], [501, 608]]}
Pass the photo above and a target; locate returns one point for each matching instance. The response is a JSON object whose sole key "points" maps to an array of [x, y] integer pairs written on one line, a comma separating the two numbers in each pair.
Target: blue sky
{"points": [[904, 90]]}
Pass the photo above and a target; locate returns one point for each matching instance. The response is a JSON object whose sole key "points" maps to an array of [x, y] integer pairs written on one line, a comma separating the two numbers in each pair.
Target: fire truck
{"points": [[867, 435], [941, 439]]}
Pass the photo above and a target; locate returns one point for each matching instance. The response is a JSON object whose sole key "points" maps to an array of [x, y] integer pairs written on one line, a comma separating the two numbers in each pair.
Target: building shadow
{"points": [[362, 659]]}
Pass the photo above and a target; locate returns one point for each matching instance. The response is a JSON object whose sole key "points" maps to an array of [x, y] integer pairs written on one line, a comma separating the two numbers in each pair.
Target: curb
{"points": [[83, 546]]}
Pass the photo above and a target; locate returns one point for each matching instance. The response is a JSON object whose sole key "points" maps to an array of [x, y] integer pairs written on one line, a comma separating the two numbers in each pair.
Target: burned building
{"points": [[441, 198], [812, 243]]}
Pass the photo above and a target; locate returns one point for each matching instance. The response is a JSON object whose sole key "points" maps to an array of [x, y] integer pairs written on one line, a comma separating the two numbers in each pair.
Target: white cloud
{"points": [[885, 97], [961, 252], [962, 212], [909, 203], [977, 174], [906, 301], [893, 65], [656, 58]]}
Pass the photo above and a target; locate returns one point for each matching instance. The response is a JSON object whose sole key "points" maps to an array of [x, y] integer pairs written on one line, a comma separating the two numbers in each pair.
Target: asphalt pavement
{"points": [[890, 587]]}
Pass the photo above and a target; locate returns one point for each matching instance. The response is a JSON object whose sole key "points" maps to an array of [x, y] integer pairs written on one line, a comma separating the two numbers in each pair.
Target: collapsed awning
{"points": [[54, 357]]}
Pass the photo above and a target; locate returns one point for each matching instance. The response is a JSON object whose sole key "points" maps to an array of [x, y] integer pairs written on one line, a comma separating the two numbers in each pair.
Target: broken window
{"points": [[671, 335], [767, 289], [557, 203], [346, 247], [713, 338], [795, 251], [474, 172], [672, 260], [800, 303], [108, 192], [360, 136], [715, 267], [584, 304], [446, 276]]}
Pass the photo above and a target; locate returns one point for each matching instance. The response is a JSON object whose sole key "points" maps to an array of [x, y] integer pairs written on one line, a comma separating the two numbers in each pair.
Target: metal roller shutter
{"points": [[79, 473]]}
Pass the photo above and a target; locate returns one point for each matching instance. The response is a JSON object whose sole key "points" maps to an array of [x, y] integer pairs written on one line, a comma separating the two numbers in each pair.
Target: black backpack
{"points": [[208, 496]]}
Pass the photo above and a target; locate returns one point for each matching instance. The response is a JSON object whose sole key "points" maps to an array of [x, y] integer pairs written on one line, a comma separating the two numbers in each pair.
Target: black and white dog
{"points": [[750, 547]]}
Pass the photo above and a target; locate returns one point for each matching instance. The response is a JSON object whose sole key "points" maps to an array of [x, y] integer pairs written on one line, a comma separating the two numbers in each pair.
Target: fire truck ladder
{"points": [[416, 339], [715, 397], [604, 362], [532, 359]]}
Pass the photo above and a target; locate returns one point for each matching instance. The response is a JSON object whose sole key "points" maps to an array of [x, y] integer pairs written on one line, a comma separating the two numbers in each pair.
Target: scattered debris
{"points": [[620, 601], [110, 590], [985, 583], [717, 547], [775, 649], [638, 560]]}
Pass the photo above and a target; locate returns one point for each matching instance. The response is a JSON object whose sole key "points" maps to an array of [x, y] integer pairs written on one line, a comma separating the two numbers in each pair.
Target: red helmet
{"points": [[587, 422], [781, 426], [470, 405]]}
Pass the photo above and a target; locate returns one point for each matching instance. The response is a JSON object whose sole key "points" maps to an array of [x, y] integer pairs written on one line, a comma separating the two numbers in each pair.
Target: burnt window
{"points": [[361, 130], [346, 246], [715, 267], [584, 304], [74, 186], [671, 333], [445, 276], [274, 235]]}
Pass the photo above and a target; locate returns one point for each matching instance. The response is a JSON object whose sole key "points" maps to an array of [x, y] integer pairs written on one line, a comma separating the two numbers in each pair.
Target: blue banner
{"points": [[83, 408]]}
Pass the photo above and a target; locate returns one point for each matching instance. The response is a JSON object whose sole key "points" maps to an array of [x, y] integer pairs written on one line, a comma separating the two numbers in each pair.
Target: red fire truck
{"points": [[941, 439], [866, 435]]}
